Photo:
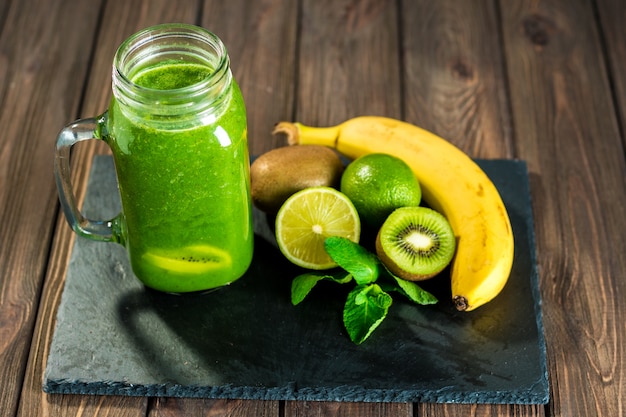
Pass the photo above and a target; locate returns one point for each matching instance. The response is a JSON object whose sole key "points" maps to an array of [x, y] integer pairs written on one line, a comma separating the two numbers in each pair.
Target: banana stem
{"points": [[460, 303], [298, 134]]}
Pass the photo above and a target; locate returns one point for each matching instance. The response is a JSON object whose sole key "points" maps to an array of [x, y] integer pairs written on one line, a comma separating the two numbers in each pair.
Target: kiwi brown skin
{"points": [[281, 172]]}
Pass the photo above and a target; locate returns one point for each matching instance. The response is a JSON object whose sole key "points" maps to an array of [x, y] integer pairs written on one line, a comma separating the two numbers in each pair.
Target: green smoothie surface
{"points": [[172, 75]]}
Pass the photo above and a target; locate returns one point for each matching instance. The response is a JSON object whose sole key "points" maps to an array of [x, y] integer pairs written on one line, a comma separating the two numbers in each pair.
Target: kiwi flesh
{"points": [[415, 243], [195, 259]]}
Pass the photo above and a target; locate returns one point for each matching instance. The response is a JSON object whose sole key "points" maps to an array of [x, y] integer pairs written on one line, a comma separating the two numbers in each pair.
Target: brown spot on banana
{"points": [[481, 191]]}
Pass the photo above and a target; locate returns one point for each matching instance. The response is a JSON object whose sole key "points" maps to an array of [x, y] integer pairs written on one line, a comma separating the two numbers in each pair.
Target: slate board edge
{"points": [[534, 277], [291, 393]]}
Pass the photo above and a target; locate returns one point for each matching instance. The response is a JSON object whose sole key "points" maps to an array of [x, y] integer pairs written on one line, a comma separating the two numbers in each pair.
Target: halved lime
{"points": [[307, 218]]}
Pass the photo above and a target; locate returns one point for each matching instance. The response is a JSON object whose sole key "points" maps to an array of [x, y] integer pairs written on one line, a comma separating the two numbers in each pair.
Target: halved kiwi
{"points": [[415, 243], [196, 259]]}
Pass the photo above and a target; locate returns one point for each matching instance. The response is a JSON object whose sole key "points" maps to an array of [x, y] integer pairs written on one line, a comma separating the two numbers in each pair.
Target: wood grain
{"points": [[4, 9], [453, 69], [612, 15], [455, 86], [353, 72], [478, 410], [120, 19], [261, 41], [336, 409], [566, 128], [33, 110], [173, 407]]}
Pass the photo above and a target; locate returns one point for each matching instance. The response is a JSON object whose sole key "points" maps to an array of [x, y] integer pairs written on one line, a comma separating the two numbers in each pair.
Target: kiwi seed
{"points": [[415, 243]]}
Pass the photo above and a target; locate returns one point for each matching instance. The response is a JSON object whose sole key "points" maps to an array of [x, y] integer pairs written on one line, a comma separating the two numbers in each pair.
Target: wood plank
{"points": [[175, 407], [32, 111], [612, 15], [119, 20], [337, 409], [339, 41], [479, 410], [455, 87], [4, 9], [565, 126], [453, 74], [260, 38]]}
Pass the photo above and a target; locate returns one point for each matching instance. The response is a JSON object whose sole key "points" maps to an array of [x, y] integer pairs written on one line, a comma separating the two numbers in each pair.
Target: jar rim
{"points": [[177, 42], [123, 66]]}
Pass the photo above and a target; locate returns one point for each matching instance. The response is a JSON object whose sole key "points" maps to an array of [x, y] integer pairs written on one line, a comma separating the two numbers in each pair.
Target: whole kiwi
{"points": [[281, 172]]}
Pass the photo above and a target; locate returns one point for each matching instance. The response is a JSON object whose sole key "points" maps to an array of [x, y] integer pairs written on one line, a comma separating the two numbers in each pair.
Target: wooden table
{"points": [[542, 81]]}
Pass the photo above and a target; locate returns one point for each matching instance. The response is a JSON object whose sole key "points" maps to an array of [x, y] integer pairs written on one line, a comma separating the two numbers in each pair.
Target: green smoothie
{"points": [[184, 189]]}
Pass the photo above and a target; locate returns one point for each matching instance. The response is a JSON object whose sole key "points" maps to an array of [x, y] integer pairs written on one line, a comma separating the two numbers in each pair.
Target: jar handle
{"points": [[101, 230]]}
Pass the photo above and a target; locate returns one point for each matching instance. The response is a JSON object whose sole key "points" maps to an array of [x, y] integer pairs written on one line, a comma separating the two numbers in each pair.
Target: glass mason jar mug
{"points": [[176, 125]]}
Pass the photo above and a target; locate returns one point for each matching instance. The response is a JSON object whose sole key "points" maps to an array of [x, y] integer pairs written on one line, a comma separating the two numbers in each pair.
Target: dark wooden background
{"points": [[543, 81]]}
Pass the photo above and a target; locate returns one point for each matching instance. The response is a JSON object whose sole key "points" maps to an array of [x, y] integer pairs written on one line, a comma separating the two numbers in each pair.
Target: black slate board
{"points": [[247, 341]]}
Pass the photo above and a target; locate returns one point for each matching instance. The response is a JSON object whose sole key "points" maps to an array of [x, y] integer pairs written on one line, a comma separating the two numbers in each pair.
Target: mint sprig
{"points": [[365, 308], [368, 303]]}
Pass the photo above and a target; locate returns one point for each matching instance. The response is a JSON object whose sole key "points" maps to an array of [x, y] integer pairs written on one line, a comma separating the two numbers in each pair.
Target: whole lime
{"points": [[379, 183]]}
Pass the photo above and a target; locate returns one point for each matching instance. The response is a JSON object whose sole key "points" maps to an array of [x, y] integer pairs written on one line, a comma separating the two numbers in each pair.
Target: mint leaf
{"points": [[413, 291], [302, 285], [363, 265], [365, 308]]}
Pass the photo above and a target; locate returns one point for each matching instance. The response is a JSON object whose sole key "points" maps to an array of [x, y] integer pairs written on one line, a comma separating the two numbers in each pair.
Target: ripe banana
{"points": [[451, 183]]}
